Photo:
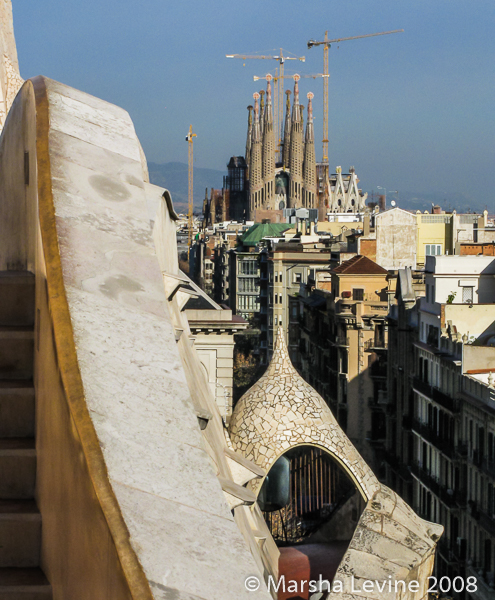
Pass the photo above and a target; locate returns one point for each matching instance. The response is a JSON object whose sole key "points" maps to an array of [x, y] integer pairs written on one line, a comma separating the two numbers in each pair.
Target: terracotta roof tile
{"points": [[360, 265]]}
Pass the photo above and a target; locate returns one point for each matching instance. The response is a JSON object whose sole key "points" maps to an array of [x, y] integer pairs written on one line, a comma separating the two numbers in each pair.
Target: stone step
{"points": [[24, 584], [16, 298], [20, 533], [17, 468], [16, 352], [16, 408]]}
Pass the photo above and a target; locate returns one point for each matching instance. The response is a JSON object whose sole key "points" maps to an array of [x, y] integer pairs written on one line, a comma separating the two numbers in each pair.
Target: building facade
{"points": [[343, 350], [441, 418]]}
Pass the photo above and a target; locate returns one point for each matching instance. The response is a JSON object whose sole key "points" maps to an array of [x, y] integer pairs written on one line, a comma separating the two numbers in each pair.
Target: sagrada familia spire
{"points": [[291, 182]]}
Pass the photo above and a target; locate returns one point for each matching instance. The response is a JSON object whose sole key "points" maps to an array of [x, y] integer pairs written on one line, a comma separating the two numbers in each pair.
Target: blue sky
{"points": [[412, 111]]}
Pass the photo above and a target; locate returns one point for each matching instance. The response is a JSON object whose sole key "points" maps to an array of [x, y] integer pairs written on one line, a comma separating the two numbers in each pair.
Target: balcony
{"points": [[402, 470], [430, 435], [473, 509], [340, 341], [375, 345], [488, 466], [448, 496], [378, 369], [462, 450], [448, 551], [485, 591], [477, 458], [381, 399], [374, 440], [432, 392], [487, 522]]}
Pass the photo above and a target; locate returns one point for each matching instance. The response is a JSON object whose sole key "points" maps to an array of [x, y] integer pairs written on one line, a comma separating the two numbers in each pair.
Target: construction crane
{"points": [[275, 78], [189, 139], [279, 90], [326, 43]]}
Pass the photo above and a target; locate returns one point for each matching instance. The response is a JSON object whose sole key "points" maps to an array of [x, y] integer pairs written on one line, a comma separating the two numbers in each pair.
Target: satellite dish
{"points": [[393, 203]]}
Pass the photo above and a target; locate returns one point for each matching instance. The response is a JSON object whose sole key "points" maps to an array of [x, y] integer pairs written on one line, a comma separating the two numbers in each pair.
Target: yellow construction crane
{"points": [[189, 140], [279, 90], [326, 45]]}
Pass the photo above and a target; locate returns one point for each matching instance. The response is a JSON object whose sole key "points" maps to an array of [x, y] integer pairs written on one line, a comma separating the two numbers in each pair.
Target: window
{"points": [[248, 285], [276, 277], [280, 298], [250, 303], [467, 294], [248, 267], [358, 294], [297, 277], [433, 249]]}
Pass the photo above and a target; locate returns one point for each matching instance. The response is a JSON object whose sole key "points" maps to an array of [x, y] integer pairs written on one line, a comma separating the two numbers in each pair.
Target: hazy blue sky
{"points": [[412, 111]]}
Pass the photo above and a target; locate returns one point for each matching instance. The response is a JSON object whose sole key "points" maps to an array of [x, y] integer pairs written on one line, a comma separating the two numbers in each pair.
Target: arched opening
{"points": [[312, 507]]}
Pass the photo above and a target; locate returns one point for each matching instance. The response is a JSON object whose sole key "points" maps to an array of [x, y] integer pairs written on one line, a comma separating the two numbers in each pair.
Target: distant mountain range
{"points": [[173, 176], [420, 201]]}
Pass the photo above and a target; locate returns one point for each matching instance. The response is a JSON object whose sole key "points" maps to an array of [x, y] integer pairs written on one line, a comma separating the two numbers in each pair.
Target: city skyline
{"points": [[410, 111]]}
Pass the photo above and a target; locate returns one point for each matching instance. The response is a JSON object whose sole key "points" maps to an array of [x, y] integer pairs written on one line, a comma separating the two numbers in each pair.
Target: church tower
{"points": [[262, 110], [286, 147], [309, 175], [268, 171], [255, 173], [249, 137], [296, 150]]}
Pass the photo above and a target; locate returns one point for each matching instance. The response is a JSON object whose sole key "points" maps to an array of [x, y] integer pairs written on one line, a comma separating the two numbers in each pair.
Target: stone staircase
{"points": [[20, 520]]}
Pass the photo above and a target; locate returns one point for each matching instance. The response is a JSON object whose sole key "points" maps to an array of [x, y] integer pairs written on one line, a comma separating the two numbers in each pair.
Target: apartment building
{"points": [[440, 452], [342, 350], [292, 267]]}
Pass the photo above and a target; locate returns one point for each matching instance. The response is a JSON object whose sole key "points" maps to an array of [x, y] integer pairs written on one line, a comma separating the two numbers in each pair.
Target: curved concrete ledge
{"points": [[127, 490]]}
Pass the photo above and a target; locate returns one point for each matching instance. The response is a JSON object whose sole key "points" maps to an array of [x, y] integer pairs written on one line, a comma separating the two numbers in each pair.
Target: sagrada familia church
{"points": [[269, 179], [292, 184], [120, 478]]}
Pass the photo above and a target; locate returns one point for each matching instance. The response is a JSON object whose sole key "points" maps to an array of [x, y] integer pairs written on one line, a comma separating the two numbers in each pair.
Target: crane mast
{"points": [[190, 197], [326, 43]]}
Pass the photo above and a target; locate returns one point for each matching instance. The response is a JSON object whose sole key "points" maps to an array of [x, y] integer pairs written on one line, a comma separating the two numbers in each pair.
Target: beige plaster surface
{"points": [[10, 79], [173, 485]]}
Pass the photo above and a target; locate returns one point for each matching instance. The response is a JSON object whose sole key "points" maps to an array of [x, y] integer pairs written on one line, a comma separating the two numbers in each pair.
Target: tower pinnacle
{"points": [[249, 136], [296, 150], [255, 163], [309, 168], [286, 148], [268, 172]]}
